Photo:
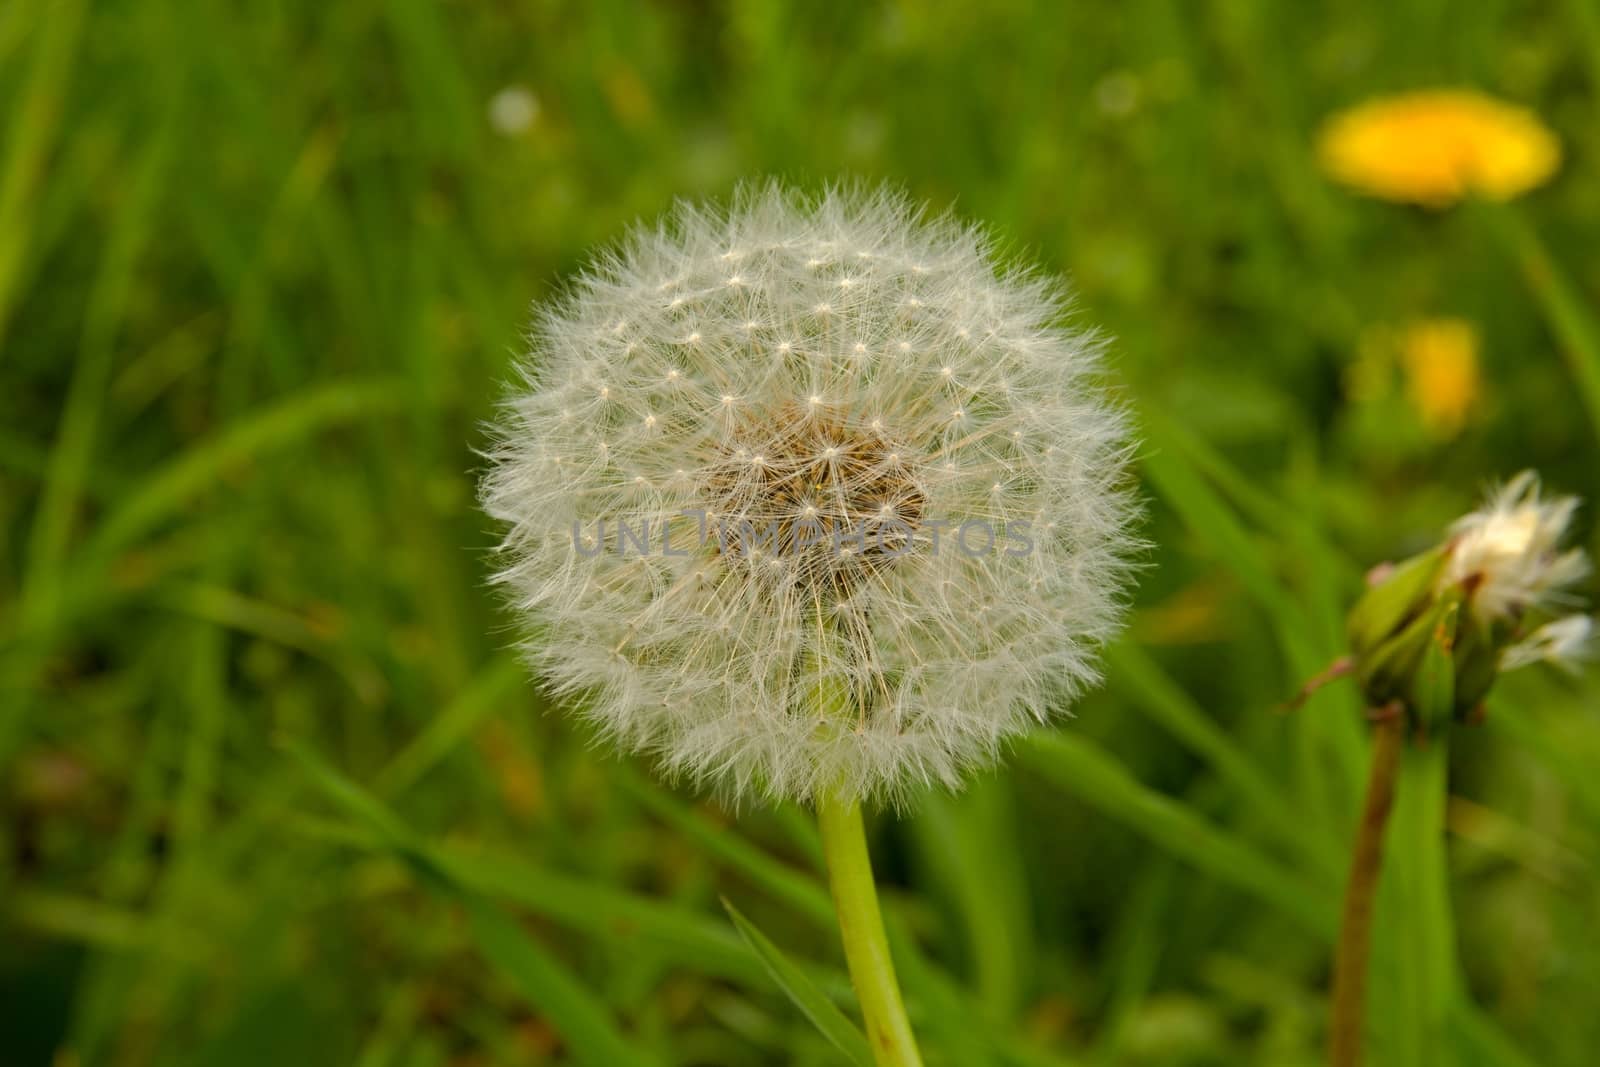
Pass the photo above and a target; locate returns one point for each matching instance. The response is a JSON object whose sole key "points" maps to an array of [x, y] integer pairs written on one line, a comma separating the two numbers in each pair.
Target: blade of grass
{"points": [[1153, 691], [1508, 717], [400, 1018], [602, 910], [278, 427], [205, 693], [801, 830], [947, 1013], [232, 610], [32, 128], [1099, 781], [970, 844], [1560, 301], [93, 922], [1479, 1038], [1324, 570], [1326, 790], [548, 986], [950, 1014], [795, 888], [1139, 945], [356, 802], [162, 495], [1586, 21], [827, 1018], [1211, 519], [1169, 435], [501, 677], [584, 906], [128, 865], [441, 89], [72, 453]]}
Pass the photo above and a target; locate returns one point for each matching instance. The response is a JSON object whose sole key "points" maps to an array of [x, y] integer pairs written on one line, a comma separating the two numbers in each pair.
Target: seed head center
{"points": [[813, 498]]}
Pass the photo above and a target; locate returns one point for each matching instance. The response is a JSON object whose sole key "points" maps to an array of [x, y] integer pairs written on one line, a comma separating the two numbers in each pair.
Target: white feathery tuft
{"points": [[782, 403], [1508, 551], [1565, 642]]}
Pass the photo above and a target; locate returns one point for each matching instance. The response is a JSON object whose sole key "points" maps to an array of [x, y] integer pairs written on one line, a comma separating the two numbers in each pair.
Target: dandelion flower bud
{"points": [[805, 494], [1434, 631]]}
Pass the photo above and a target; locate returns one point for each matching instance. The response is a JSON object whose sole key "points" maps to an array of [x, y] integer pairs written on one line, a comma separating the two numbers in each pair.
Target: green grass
{"points": [[272, 787]]}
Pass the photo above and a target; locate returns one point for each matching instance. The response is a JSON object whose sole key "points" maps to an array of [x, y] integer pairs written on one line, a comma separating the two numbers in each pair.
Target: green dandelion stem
{"points": [[1354, 949], [866, 946], [1428, 946]]}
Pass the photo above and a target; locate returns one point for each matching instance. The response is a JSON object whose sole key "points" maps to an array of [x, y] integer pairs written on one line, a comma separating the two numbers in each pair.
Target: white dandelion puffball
{"points": [[1508, 551], [805, 494]]}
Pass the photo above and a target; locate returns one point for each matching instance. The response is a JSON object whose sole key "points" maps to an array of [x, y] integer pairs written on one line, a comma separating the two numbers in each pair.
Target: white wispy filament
{"points": [[1509, 550], [834, 384], [1508, 554]]}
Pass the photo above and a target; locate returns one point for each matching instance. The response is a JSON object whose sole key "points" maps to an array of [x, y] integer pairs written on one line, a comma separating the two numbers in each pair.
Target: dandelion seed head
{"points": [[829, 471], [1509, 553]]}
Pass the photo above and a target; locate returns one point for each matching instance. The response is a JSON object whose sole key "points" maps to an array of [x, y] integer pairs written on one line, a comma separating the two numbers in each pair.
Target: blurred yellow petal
{"points": [[1440, 359], [1437, 146]]}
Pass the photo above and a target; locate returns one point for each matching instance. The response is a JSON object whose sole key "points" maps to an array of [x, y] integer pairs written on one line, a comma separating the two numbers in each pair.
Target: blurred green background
{"points": [[263, 268]]}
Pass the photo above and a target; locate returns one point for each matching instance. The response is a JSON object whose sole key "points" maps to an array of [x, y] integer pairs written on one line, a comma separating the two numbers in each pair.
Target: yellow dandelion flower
{"points": [[1440, 360], [1437, 146]]}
